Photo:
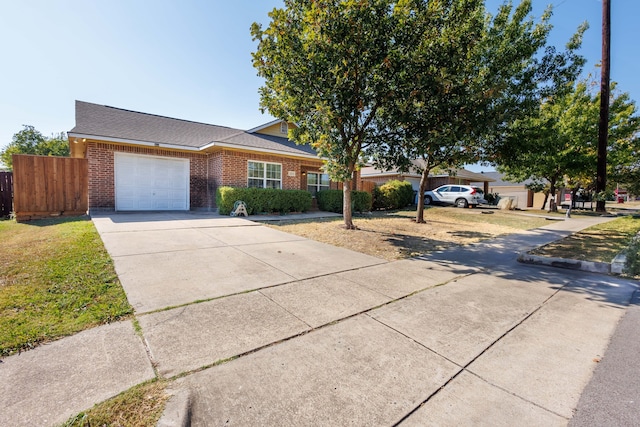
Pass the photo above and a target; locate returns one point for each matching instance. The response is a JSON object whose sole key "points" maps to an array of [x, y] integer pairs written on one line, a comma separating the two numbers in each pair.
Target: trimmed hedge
{"points": [[263, 200], [331, 201], [393, 195]]}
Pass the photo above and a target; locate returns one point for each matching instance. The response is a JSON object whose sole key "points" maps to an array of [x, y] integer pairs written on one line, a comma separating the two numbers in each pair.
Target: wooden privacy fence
{"points": [[6, 194], [45, 186], [362, 185]]}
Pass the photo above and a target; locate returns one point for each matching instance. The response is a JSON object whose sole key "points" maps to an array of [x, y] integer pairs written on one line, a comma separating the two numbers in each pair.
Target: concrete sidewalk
{"points": [[262, 327]]}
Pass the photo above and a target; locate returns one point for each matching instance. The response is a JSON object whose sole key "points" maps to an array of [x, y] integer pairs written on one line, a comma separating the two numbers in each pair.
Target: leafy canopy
{"points": [[466, 75], [559, 142], [31, 141], [328, 68]]}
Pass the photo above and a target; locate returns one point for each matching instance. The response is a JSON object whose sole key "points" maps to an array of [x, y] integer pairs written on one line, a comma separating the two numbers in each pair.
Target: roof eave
{"points": [[259, 150], [74, 135], [71, 135]]}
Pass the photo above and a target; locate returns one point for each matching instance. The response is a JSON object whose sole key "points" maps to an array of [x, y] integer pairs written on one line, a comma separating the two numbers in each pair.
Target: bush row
{"points": [[393, 195], [331, 201], [263, 200]]}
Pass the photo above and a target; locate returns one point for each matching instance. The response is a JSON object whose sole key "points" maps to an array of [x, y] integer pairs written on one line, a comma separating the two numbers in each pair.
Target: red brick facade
{"points": [[208, 171]]}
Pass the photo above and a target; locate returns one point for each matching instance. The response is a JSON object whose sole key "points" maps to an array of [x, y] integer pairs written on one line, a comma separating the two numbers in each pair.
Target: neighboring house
{"points": [[517, 191], [140, 161], [436, 178]]}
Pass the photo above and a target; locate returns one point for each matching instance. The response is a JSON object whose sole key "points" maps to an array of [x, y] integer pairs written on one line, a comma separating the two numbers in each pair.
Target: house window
{"points": [[264, 175], [317, 182], [284, 127]]}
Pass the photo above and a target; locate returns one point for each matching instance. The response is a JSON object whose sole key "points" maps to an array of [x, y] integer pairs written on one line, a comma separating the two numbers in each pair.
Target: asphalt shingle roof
{"points": [[110, 122]]}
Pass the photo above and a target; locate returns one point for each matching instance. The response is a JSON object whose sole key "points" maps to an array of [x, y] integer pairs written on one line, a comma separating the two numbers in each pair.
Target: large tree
{"points": [[559, 144], [31, 141], [466, 76], [328, 67]]}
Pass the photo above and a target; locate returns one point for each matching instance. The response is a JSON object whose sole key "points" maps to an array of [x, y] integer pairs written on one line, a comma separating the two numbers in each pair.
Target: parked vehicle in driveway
{"points": [[461, 196]]}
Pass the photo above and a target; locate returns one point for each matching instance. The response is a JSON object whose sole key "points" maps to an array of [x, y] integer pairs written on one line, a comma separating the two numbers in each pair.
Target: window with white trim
{"points": [[317, 182], [264, 175], [284, 127]]}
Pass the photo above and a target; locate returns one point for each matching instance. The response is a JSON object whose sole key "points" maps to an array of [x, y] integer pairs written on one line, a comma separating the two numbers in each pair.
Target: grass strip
{"points": [[56, 279], [140, 406], [600, 243]]}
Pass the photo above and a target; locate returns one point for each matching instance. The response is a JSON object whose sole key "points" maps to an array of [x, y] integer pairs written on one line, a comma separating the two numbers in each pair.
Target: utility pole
{"points": [[603, 123]]}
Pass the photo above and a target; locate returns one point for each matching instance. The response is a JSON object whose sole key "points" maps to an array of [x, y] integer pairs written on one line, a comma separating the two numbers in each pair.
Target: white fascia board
{"points": [[71, 136], [259, 150], [131, 141], [264, 126]]}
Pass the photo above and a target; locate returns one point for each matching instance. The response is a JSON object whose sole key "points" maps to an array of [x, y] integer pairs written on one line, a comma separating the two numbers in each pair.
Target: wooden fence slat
{"points": [[49, 186]]}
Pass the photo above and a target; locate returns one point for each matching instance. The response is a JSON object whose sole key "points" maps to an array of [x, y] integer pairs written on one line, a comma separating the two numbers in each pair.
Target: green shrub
{"points": [[331, 201], [393, 195], [632, 266], [263, 200], [362, 201]]}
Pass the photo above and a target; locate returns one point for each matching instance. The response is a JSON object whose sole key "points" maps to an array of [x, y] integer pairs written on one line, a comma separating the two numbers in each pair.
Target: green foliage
{"points": [[263, 200], [632, 266], [30, 141], [463, 77], [393, 194], [332, 201], [328, 66], [558, 143]]}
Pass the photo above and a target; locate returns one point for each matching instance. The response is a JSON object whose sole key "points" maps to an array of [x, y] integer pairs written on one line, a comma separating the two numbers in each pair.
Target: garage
{"points": [[149, 183]]}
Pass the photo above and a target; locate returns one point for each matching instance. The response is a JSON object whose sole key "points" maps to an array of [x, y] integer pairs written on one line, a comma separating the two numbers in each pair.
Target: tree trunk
{"points": [[423, 187], [553, 206], [347, 214], [544, 203]]}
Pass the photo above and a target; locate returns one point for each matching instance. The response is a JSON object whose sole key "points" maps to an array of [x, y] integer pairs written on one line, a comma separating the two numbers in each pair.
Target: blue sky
{"points": [[191, 59]]}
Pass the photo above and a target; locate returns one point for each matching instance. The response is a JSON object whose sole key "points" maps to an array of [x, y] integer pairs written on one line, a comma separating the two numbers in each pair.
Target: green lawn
{"points": [[56, 279]]}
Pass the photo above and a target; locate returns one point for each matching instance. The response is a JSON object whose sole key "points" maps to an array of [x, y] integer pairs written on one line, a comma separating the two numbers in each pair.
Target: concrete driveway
{"points": [[166, 260]]}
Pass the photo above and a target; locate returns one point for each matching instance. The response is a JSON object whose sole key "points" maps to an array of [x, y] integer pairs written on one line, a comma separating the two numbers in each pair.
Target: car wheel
{"points": [[462, 203], [427, 200]]}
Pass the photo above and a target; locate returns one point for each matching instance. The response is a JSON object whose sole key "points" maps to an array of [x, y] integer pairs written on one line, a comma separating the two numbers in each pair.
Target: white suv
{"points": [[461, 196]]}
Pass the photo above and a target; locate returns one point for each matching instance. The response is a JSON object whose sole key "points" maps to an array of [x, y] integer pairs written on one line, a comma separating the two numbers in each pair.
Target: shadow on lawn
{"points": [[45, 222]]}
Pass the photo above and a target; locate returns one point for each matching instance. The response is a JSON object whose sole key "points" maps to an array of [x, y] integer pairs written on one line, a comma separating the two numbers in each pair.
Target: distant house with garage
{"points": [[515, 190], [436, 178], [139, 161]]}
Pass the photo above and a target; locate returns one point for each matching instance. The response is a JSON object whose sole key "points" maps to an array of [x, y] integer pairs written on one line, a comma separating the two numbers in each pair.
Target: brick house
{"points": [[140, 161]]}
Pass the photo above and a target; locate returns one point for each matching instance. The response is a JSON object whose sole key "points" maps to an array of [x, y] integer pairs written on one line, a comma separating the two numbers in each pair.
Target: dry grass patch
{"points": [[140, 406], [599, 243], [393, 235]]}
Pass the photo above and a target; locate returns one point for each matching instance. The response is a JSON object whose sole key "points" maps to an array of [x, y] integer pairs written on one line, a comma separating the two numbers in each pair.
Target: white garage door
{"points": [[147, 183]]}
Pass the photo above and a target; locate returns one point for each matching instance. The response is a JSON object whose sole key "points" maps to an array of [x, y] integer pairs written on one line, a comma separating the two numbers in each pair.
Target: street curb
{"points": [[177, 412], [571, 264]]}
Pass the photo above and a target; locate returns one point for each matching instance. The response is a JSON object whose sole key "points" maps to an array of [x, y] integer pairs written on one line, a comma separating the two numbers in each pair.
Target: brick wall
{"points": [[100, 157], [233, 172], [208, 171]]}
